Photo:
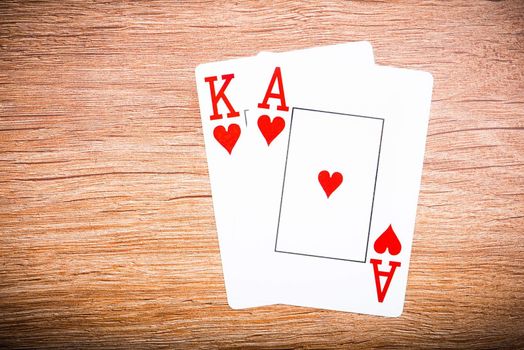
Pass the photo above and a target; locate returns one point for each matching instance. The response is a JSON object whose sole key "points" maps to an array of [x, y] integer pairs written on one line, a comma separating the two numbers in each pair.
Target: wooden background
{"points": [[107, 236]]}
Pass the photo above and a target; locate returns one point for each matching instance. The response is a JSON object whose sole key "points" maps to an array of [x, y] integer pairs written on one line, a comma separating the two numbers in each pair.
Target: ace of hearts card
{"points": [[338, 215]]}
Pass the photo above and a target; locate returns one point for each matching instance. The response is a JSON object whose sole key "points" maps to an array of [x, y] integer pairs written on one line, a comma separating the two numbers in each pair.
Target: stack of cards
{"points": [[315, 159]]}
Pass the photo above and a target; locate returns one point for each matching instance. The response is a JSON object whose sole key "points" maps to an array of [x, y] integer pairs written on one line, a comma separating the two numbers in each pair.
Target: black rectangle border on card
{"points": [[284, 182]]}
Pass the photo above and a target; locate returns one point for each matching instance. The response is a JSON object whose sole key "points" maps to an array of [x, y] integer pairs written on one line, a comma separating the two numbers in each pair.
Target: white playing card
{"points": [[364, 270], [223, 100]]}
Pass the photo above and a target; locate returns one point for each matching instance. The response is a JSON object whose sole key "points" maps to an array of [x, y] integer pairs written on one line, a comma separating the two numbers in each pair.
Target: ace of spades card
{"points": [[339, 159], [226, 94]]}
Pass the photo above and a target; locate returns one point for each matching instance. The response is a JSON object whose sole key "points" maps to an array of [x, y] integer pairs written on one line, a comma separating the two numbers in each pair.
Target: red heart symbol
{"points": [[388, 240], [227, 138], [329, 182], [270, 129]]}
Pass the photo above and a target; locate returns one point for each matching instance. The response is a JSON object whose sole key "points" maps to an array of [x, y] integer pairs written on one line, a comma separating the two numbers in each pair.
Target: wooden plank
{"points": [[107, 229]]}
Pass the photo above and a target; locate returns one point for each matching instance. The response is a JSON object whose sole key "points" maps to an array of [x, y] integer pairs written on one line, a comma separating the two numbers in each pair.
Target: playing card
{"points": [[337, 177], [226, 91]]}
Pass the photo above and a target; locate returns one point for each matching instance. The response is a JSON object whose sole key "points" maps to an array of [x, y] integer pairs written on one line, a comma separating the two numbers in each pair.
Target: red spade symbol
{"points": [[388, 240], [227, 138], [329, 182], [270, 129]]}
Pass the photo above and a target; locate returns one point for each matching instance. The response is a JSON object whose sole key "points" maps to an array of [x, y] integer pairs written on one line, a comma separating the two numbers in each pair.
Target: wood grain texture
{"points": [[107, 236]]}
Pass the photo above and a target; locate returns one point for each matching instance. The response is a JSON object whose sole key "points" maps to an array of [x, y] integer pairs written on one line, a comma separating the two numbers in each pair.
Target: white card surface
{"points": [[329, 184], [226, 90], [366, 269]]}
